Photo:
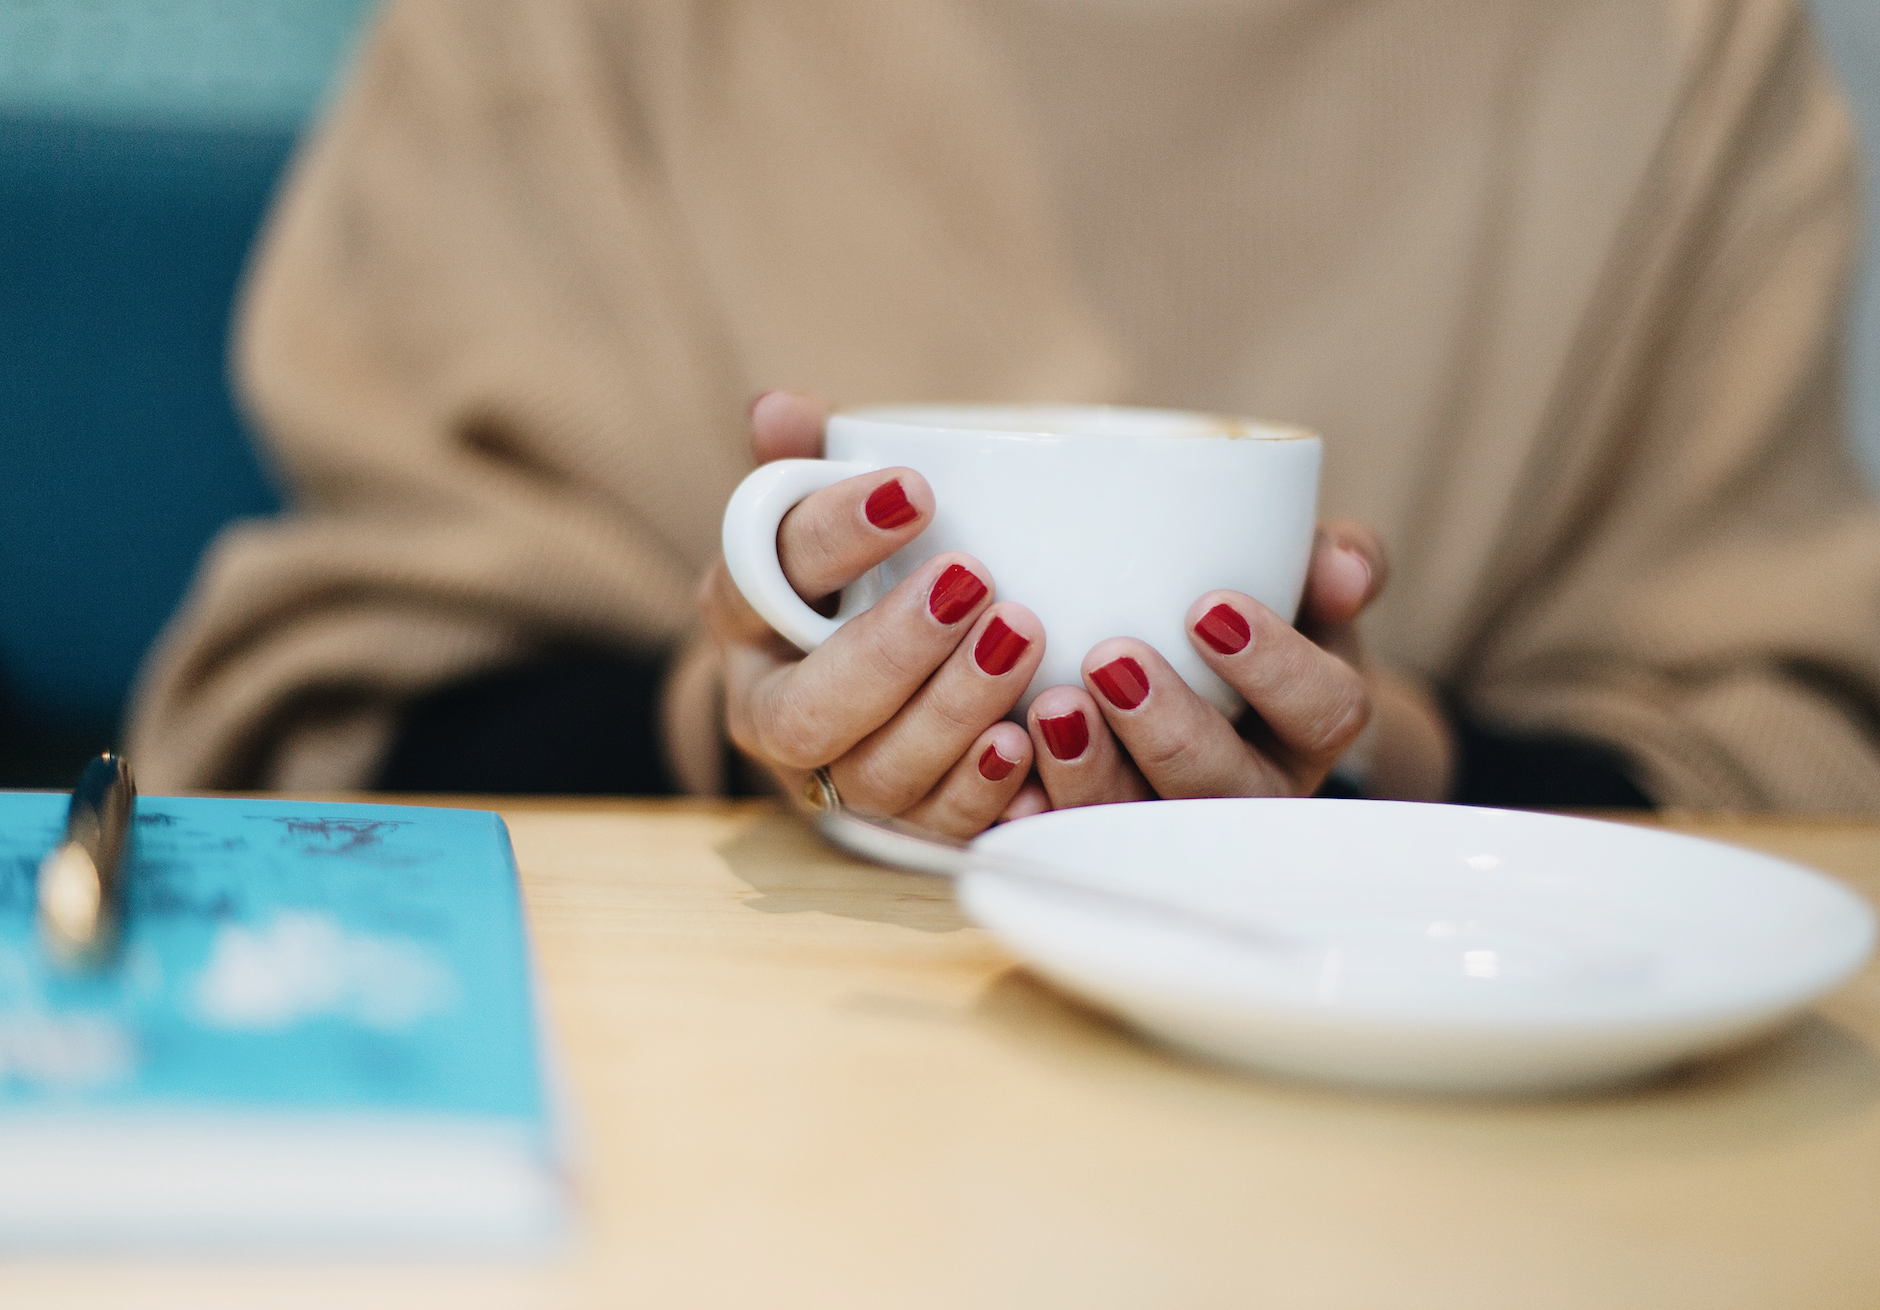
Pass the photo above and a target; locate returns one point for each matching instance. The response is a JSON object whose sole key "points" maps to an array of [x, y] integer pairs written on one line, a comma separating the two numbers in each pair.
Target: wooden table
{"points": [[805, 1082]]}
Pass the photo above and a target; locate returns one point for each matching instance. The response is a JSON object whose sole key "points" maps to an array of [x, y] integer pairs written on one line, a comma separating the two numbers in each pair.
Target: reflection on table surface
{"points": [[804, 1081]]}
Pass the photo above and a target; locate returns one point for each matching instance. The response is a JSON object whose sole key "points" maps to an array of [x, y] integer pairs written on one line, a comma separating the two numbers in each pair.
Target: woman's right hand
{"points": [[905, 704]]}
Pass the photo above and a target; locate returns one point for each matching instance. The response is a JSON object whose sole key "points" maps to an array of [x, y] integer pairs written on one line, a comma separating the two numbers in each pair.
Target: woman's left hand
{"points": [[1135, 729]]}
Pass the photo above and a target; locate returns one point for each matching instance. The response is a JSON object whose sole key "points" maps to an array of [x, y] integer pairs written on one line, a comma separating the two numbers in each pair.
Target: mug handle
{"points": [[750, 540]]}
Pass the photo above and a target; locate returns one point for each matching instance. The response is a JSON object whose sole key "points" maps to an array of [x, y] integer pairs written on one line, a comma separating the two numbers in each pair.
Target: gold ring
{"points": [[819, 791]]}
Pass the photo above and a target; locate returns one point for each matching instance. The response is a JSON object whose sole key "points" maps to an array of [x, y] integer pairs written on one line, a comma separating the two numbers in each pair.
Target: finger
{"points": [[729, 615], [839, 533], [1183, 745], [787, 425], [979, 787], [1347, 572], [747, 658], [1031, 799], [1077, 758], [1313, 702], [808, 712], [901, 761]]}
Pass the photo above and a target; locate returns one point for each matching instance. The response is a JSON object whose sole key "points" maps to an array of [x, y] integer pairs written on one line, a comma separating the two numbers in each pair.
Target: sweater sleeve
{"points": [[1706, 600], [468, 343]]}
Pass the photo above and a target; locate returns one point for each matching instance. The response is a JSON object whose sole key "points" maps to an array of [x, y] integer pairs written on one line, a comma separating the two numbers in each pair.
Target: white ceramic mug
{"points": [[1103, 521]]}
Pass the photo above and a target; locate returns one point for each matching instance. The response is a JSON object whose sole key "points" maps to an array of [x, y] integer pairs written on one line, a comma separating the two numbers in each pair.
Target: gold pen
{"points": [[80, 889]]}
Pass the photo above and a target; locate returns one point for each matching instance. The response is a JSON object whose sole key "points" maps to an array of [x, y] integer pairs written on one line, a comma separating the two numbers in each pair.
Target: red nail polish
{"points": [[998, 648], [994, 767], [1225, 629], [887, 506], [1122, 682], [1067, 735], [955, 595]]}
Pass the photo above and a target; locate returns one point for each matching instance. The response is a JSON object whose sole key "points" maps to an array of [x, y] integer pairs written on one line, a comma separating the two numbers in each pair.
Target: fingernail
{"points": [[994, 767], [1225, 629], [955, 594], [887, 506], [1122, 682], [1066, 736], [1364, 569], [757, 400], [998, 648]]}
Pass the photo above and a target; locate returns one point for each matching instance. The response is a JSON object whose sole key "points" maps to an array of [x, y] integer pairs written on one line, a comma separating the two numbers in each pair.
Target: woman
{"points": [[1561, 284]]}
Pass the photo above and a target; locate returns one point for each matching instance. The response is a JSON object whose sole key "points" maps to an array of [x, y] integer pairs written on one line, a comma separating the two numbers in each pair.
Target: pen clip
{"points": [[80, 883]]}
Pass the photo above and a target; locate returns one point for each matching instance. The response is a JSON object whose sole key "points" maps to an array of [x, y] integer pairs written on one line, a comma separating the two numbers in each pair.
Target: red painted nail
{"points": [[998, 648], [1225, 629], [887, 506], [1122, 682], [955, 595], [1067, 735], [994, 767]]}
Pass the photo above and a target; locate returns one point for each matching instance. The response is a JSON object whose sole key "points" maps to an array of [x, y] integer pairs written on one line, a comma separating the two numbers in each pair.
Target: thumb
{"points": [[787, 425]]}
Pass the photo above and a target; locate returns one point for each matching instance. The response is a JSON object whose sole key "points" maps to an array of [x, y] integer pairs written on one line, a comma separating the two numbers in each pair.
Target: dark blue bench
{"points": [[120, 247]]}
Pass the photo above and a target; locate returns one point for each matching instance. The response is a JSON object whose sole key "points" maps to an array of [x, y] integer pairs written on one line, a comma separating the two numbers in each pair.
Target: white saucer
{"points": [[1427, 947]]}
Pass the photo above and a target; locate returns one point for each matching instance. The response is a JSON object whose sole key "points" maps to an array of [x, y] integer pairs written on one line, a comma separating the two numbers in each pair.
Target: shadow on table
{"points": [[1810, 1075], [782, 857]]}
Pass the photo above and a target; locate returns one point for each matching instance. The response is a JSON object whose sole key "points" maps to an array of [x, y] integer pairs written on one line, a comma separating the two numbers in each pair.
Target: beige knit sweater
{"points": [[1561, 281]]}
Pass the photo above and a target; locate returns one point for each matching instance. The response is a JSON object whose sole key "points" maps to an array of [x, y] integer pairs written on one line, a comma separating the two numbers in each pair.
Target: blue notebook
{"points": [[320, 1031]]}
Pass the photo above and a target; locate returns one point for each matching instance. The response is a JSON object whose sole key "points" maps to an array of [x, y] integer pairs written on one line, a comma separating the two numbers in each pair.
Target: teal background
{"points": [[1850, 31], [140, 141], [218, 64]]}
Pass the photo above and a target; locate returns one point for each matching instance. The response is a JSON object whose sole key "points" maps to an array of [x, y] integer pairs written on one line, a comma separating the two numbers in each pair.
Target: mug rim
{"points": [[1203, 425]]}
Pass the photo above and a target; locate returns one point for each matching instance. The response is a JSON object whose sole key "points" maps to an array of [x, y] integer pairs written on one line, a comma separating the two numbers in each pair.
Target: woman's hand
{"points": [[1136, 730], [904, 703]]}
